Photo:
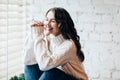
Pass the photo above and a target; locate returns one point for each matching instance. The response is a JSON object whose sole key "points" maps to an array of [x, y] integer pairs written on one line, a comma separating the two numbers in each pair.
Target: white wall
{"points": [[97, 22]]}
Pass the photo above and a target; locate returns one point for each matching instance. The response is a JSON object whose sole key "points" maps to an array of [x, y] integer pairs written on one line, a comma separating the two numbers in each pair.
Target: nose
{"points": [[47, 23]]}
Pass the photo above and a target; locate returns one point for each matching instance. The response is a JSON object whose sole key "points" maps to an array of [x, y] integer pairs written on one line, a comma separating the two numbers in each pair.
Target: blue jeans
{"points": [[33, 72]]}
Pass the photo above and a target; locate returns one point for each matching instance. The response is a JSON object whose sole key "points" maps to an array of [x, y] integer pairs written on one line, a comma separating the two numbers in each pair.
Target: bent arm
{"points": [[33, 33], [48, 60]]}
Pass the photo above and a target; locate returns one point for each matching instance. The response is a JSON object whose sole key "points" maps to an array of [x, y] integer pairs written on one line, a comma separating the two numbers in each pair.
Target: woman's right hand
{"points": [[36, 23], [37, 27]]}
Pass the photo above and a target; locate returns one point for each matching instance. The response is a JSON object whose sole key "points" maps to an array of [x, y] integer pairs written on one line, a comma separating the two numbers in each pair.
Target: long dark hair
{"points": [[67, 28]]}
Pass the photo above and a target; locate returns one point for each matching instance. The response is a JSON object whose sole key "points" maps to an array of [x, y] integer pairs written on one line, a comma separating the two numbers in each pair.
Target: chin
{"points": [[48, 33]]}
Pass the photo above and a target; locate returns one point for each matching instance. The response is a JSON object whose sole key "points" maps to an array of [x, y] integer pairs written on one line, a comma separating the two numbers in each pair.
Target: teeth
{"points": [[48, 28]]}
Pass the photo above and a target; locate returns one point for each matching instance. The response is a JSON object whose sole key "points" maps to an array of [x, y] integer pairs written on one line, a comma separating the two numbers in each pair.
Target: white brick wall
{"points": [[98, 24]]}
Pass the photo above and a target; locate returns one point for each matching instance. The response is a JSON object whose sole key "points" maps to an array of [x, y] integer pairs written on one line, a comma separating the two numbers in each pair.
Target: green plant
{"points": [[20, 77]]}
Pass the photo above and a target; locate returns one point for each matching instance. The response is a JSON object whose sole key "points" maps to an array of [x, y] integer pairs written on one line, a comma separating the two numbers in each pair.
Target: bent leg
{"points": [[56, 74], [32, 72]]}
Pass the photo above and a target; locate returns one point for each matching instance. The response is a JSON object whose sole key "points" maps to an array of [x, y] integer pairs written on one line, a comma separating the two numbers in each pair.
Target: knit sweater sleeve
{"points": [[29, 57], [60, 55]]}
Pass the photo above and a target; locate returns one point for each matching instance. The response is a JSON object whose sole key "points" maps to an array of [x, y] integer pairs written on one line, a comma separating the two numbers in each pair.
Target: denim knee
{"points": [[56, 74], [53, 74], [32, 72]]}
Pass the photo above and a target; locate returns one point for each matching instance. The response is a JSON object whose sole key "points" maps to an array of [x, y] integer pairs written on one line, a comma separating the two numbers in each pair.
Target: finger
{"points": [[36, 23], [40, 23], [33, 23]]}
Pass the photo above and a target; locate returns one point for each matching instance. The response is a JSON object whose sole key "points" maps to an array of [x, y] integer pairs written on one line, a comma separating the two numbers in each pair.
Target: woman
{"points": [[57, 50]]}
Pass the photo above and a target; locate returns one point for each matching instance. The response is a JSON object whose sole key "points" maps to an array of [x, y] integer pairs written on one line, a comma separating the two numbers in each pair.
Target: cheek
{"points": [[57, 29], [55, 26]]}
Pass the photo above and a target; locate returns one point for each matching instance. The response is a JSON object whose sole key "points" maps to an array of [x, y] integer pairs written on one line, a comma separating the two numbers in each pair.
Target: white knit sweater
{"points": [[54, 51]]}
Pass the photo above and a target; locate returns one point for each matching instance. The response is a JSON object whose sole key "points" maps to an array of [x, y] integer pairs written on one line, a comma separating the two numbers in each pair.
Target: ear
{"points": [[59, 24]]}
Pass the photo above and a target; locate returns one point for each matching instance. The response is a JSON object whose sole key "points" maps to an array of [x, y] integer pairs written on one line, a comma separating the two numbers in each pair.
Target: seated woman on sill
{"points": [[53, 51]]}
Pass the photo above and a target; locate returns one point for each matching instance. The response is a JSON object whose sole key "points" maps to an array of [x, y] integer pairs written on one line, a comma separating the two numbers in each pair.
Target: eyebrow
{"points": [[51, 19]]}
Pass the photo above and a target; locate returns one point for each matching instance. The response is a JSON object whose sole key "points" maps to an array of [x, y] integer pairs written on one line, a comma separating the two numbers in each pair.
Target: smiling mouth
{"points": [[49, 29]]}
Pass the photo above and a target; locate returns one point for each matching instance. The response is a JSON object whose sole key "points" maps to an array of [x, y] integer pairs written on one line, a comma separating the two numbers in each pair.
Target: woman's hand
{"points": [[37, 28], [35, 23]]}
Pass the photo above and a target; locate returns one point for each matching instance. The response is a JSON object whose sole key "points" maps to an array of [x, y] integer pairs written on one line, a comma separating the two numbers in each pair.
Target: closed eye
{"points": [[53, 21]]}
